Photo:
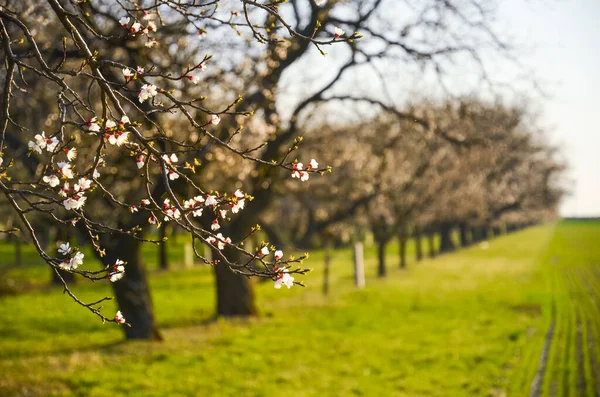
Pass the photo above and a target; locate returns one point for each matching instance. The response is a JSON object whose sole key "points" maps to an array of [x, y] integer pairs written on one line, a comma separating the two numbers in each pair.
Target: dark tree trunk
{"points": [[497, 231], [163, 260], [235, 292], [402, 249], [431, 244], [63, 236], [485, 235], [446, 243], [418, 245], [464, 241], [235, 295], [132, 292], [381, 270], [475, 234]]}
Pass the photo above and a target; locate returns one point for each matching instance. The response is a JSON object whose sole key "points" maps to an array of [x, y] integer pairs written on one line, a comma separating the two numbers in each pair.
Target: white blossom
{"points": [[65, 169], [124, 21], [170, 159], [51, 180], [146, 92], [193, 78], [92, 126], [220, 240], [119, 318], [71, 153], [264, 250], [76, 260], [284, 278], [214, 119], [239, 205], [75, 202], [215, 225], [82, 184], [338, 33], [210, 200], [135, 27], [278, 255], [127, 74], [64, 248]]}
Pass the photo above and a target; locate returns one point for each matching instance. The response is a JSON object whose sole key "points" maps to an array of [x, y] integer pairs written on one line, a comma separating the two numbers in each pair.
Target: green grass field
{"points": [[472, 323]]}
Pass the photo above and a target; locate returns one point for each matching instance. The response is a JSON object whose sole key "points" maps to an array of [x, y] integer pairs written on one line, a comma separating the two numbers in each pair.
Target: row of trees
{"points": [[191, 113], [488, 168]]}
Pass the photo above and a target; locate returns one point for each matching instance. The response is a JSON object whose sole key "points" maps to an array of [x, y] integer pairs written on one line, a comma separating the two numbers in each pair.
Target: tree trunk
{"points": [[497, 231], [418, 245], [326, 269], [475, 234], [431, 244], [446, 244], [163, 260], [235, 295], [485, 232], [132, 292], [381, 270], [235, 292], [402, 249], [464, 241]]}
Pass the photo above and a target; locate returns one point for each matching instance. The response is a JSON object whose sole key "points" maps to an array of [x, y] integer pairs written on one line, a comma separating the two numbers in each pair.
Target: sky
{"points": [[565, 35]]}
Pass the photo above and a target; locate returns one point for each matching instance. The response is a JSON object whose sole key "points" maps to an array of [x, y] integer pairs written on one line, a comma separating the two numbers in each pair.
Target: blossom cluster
{"points": [[136, 27], [299, 171], [72, 257]]}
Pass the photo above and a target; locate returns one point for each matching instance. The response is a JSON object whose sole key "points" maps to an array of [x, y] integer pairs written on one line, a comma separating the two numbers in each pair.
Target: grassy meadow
{"points": [[520, 317]]}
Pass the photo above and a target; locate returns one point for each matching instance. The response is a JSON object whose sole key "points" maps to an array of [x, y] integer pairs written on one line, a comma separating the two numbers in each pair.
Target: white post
{"points": [[359, 265], [188, 255]]}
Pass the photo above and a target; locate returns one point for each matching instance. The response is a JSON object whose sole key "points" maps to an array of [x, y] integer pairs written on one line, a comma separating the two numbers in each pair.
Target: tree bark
{"points": [[464, 241], [497, 231], [381, 270], [446, 244], [485, 235], [402, 249], [132, 292], [418, 245], [235, 292]]}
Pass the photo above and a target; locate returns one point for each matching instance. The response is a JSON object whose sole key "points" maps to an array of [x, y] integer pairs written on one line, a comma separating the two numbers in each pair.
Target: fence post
{"points": [[359, 265]]}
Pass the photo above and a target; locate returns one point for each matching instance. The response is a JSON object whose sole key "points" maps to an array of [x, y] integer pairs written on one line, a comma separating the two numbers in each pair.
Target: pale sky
{"points": [[566, 35]]}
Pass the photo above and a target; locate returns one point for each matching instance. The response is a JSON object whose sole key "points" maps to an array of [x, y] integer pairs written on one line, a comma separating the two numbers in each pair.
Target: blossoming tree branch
{"points": [[104, 153]]}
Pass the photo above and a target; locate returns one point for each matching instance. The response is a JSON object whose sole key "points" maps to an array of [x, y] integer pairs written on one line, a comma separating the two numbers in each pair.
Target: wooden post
{"points": [[188, 254], [359, 265]]}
